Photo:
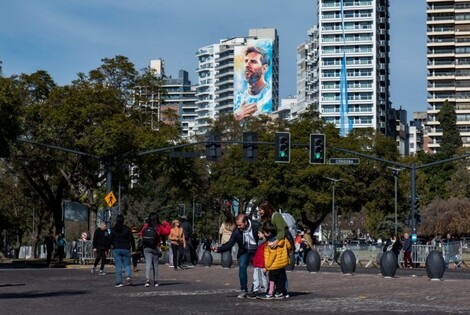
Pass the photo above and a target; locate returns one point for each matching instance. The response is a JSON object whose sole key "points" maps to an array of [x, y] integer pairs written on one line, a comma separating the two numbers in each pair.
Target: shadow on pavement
{"points": [[29, 295]]}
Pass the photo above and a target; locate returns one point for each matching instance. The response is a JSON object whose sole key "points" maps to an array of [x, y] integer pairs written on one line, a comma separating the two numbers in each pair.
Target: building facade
{"points": [[353, 51], [448, 54], [215, 92]]}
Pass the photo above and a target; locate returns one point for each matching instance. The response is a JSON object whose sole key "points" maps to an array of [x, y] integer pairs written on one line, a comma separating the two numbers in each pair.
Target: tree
{"points": [[10, 103], [450, 140]]}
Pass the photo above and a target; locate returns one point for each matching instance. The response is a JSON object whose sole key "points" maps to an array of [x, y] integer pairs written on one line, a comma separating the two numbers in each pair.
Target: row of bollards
{"points": [[435, 266]]}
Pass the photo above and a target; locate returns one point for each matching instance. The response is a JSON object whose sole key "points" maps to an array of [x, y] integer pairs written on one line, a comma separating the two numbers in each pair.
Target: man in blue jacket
{"points": [[246, 236]]}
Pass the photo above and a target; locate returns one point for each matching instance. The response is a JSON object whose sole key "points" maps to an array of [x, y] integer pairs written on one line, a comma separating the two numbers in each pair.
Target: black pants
{"points": [[100, 254], [279, 277], [177, 255], [61, 253], [49, 254]]}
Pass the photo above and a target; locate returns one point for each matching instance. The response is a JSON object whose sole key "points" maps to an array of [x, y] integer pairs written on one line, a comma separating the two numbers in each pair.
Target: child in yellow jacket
{"points": [[275, 262]]}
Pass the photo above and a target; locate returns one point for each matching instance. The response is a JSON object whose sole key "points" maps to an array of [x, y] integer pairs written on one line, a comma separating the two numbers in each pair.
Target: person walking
{"points": [[407, 247], [188, 234], [122, 243], [61, 247], [100, 249], [393, 244], [138, 251], [451, 250], [49, 242], [246, 236], [178, 243], [151, 234]]}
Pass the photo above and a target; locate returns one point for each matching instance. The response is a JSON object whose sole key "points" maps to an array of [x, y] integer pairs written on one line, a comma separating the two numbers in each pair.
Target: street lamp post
{"points": [[333, 211], [395, 175]]}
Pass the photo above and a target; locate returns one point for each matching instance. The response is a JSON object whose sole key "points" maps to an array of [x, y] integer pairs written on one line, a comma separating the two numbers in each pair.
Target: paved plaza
{"points": [[34, 289]]}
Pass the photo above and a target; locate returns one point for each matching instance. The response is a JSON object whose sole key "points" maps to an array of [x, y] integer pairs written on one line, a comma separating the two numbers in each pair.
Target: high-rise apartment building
{"points": [[205, 90], [353, 64], [176, 105], [448, 53], [216, 90], [307, 75]]}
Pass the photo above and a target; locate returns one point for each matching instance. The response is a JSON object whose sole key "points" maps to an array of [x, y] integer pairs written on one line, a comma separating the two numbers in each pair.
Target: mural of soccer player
{"points": [[254, 95]]}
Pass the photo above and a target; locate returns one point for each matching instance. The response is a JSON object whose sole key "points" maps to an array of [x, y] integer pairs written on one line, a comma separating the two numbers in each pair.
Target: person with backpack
{"points": [[151, 234], [268, 213], [122, 242], [178, 243]]}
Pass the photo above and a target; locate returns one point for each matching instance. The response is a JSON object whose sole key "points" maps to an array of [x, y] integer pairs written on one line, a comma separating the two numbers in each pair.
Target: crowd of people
{"points": [[266, 243]]}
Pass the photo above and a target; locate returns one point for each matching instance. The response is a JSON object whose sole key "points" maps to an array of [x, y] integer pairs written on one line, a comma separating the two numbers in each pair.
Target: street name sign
{"points": [[344, 161]]}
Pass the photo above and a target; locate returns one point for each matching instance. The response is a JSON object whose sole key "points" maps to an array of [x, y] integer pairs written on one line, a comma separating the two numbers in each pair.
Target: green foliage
{"points": [[9, 114], [450, 140]]}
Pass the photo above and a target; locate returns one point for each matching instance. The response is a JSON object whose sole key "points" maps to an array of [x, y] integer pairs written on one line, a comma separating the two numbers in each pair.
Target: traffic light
{"points": [[417, 213], [418, 217], [213, 147], [250, 147], [181, 210], [282, 147], [198, 210], [317, 149], [416, 204]]}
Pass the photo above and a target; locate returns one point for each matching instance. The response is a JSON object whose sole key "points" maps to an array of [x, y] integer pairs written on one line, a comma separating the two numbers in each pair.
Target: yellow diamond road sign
{"points": [[110, 199]]}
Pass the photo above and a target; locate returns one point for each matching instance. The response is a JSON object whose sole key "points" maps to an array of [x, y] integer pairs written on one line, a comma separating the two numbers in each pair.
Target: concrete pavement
{"points": [[213, 290]]}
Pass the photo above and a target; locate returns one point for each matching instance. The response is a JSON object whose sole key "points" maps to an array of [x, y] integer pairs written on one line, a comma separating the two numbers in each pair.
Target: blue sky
{"points": [[65, 37]]}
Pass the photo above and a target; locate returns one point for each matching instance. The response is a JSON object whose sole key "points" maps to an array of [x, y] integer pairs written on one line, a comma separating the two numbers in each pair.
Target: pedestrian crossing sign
{"points": [[110, 199]]}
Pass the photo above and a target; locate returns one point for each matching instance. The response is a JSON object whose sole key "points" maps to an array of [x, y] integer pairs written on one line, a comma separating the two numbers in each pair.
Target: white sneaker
{"points": [[242, 295], [93, 270]]}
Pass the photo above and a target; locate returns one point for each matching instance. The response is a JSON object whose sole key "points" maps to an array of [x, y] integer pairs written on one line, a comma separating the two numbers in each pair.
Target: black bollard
{"points": [[435, 265], [226, 259], [207, 258], [291, 265], [388, 264], [348, 262], [313, 261]]}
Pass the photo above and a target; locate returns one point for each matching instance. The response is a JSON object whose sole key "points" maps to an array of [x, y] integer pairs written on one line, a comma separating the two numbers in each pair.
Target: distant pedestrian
{"points": [[394, 245], [151, 234], [49, 242], [178, 243], [188, 234], [451, 251], [61, 247], [122, 243], [138, 250], [226, 229], [100, 249], [407, 246]]}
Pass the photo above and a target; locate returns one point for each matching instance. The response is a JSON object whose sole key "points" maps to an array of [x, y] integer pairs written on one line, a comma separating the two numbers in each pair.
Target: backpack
{"points": [[149, 237], [291, 227]]}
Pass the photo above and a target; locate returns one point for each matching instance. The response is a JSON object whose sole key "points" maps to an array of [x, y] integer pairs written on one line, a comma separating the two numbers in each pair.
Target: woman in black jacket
{"points": [[122, 242]]}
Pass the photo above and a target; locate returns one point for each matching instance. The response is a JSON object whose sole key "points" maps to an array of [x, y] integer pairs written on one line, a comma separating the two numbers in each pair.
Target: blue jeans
{"points": [[122, 257], [243, 262], [151, 260]]}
